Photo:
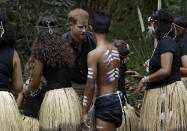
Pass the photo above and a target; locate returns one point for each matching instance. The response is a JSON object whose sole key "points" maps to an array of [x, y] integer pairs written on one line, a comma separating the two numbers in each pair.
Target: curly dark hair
{"points": [[50, 47], [164, 19], [8, 38]]}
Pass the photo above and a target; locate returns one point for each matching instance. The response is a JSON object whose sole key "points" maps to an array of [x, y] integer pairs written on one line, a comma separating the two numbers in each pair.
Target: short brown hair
{"points": [[78, 12]]}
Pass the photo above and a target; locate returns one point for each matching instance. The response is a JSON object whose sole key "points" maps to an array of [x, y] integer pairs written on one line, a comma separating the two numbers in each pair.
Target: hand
{"points": [[25, 87], [139, 88], [84, 121], [125, 59], [146, 64], [134, 74], [25, 90]]}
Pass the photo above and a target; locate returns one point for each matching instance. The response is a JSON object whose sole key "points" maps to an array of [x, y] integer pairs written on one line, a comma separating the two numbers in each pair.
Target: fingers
{"points": [[135, 76], [146, 64], [129, 72], [84, 125]]}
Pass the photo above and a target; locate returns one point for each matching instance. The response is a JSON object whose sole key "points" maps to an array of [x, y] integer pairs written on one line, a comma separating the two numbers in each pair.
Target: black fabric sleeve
{"points": [[40, 59], [167, 44], [184, 49], [91, 40], [38, 55]]}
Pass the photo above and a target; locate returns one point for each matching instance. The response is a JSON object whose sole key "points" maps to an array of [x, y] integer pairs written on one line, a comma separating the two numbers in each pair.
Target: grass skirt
{"points": [[30, 124], [10, 118], [164, 109], [60, 111], [129, 123], [184, 80]]}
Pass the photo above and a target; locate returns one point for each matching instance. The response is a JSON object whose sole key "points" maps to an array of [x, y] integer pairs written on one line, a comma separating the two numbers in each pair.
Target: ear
{"points": [[70, 25], [91, 28]]}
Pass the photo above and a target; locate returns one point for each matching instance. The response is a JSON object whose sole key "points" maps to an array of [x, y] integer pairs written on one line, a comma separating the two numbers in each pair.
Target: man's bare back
{"points": [[107, 59], [103, 70]]}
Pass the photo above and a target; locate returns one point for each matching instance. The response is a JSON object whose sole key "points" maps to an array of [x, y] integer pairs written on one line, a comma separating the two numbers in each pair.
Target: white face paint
{"points": [[151, 30], [90, 73], [85, 101]]}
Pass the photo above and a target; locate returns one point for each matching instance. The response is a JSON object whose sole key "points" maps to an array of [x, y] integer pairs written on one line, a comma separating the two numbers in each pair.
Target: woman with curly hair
{"points": [[60, 109], [10, 68], [165, 101]]}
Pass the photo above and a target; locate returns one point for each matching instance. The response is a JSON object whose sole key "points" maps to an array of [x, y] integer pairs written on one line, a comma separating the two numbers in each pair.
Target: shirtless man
{"points": [[103, 69]]}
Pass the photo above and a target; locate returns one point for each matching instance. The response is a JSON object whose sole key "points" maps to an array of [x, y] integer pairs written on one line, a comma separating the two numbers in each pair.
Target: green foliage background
{"points": [[23, 15]]}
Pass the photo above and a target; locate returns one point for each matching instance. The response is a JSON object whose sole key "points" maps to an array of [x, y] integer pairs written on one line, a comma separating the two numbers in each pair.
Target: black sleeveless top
{"points": [[6, 68], [57, 77]]}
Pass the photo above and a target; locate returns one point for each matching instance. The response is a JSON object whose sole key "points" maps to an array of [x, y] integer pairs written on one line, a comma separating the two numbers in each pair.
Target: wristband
{"points": [[145, 79]]}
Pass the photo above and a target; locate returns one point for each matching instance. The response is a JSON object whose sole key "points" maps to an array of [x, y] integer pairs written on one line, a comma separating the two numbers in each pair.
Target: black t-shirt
{"points": [[167, 44], [56, 77], [80, 67], [182, 42], [183, 49]]}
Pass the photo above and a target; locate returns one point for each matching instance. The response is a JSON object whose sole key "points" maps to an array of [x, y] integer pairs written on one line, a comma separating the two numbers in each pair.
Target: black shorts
{"points": [[108, 108]]}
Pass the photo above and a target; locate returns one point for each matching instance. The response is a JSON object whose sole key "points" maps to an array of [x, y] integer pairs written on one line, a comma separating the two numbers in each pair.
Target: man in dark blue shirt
{"points": [[82, 42]]}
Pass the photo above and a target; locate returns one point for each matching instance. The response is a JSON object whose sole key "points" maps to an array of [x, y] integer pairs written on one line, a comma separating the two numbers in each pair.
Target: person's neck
{"points": [[101, 39], [78, 42]]}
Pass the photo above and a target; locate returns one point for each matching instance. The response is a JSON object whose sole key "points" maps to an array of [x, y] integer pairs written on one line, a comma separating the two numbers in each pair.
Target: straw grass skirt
{"points": [[164, 109], [130, 120], [60, 111], [30, 124], [10, 118], [184, 80], [129, 123]]}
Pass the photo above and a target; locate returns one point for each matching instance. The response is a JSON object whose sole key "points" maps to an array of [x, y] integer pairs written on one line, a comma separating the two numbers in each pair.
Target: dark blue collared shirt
{"points": [[80, 67]]}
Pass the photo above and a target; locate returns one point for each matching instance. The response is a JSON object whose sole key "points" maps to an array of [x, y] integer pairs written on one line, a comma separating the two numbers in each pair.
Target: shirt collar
{"points": [[72, 42]]}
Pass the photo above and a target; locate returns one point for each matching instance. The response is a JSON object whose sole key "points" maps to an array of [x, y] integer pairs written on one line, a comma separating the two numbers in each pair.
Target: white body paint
{"points": [[85, 101], [113, 74], [113, 55], [90, 73], [99, 127]]}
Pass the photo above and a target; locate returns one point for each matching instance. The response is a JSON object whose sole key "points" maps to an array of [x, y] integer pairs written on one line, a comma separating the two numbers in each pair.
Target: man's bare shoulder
{"points": [[96, 53]]}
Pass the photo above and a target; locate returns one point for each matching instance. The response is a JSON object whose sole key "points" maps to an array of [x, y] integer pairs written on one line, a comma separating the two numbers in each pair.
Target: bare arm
{"points": [[19, 100], [36, 77], [183, 69], [20, 97], [89, 89], [37, 74], [17, 73], [163, 72], [134, 74]]}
